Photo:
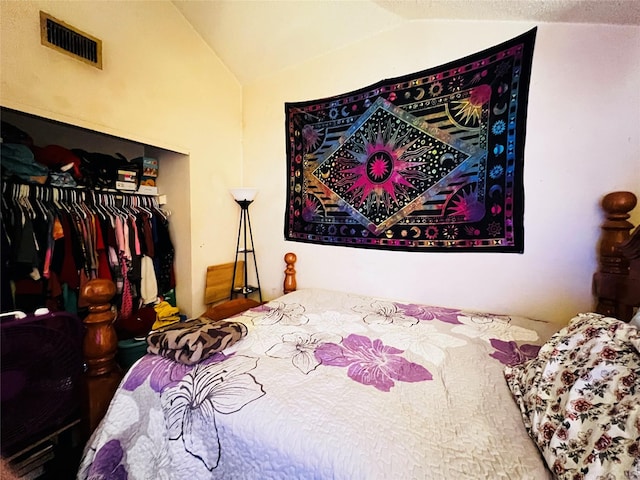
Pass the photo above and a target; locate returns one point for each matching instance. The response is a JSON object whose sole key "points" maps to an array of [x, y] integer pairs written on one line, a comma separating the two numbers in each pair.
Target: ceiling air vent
{"points": [[70, 41]]}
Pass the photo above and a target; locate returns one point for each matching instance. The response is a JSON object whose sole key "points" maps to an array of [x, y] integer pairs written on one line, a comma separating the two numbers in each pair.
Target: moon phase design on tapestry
{"points": [[425, 162]]}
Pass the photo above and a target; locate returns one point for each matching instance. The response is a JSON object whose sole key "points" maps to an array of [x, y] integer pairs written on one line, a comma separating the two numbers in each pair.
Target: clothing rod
{"points": [[6, 184]]}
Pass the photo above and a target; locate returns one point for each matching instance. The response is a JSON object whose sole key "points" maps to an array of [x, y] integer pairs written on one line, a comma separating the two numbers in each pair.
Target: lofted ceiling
{"points": [[257, 37]]}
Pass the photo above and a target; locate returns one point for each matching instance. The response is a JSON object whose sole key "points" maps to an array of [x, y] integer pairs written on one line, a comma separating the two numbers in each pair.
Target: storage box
{"points": [[149, 171], [149, 167], [129, 351], [149, 175], [127, 180]]}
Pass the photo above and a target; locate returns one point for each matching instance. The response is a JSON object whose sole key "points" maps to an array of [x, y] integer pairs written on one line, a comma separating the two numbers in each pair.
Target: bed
{"points": [[321, 384]]}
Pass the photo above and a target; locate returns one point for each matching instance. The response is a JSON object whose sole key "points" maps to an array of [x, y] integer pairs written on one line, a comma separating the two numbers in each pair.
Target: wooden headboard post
{"points": [[609, 282], [103, 374], [290, 284]]}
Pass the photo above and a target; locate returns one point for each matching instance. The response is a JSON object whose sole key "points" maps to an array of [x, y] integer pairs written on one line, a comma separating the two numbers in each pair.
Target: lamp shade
{"points": [[240, 194]]}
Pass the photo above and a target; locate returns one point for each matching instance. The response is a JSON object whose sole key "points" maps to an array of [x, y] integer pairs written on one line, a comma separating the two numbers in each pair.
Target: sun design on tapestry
{"points": [[465, 205], [384, 164], [469, 110]]}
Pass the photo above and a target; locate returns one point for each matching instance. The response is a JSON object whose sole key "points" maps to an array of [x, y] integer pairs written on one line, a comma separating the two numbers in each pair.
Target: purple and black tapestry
{"points": [[425, 162]]}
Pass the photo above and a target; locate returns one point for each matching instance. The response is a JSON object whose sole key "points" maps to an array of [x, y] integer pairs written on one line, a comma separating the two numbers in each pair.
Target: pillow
{"points": [[580, 399]]}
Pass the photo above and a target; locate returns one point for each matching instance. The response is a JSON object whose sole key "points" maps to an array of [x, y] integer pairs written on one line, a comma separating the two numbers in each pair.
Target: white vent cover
{"points": [[69, 40]]}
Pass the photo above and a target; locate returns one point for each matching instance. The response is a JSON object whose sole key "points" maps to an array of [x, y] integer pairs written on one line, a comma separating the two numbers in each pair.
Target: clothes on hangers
{"points": [[57, 239]]}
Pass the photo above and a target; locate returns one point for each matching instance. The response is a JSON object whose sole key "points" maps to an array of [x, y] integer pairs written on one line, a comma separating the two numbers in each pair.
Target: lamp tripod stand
{"points": [[244, 198]]}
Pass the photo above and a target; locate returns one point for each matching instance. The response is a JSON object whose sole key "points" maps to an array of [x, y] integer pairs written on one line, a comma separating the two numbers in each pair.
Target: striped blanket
{"points": [[194, 340]]}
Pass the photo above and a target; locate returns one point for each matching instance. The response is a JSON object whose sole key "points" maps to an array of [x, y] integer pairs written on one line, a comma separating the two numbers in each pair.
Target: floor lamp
{"points": [[244, 197]]}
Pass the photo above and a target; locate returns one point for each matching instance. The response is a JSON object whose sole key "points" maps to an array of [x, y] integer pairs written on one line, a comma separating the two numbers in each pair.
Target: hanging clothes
{"points": [[56, 239], [164, 255], [148, 281]]}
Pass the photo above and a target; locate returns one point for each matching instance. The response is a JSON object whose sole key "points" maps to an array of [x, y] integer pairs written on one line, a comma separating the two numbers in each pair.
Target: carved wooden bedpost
{"points": [[610, 280], [100, 347], [290, 284]]}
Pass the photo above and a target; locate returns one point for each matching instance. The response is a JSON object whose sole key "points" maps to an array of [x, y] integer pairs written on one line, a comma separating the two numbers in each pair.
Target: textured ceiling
{"points": [[257, 37], [617, 12]]}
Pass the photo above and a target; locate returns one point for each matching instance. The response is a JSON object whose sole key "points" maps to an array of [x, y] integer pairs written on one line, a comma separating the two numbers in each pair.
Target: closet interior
{"points": [[63, 224], [57, 235]]}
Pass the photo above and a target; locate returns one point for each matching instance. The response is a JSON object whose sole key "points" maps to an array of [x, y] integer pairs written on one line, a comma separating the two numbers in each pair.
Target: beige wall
{"points": [[583, 140], [160, 85]]}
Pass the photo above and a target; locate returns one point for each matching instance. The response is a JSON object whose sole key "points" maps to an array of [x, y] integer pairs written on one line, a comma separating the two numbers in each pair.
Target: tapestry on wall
{"points": [[425, 162]]}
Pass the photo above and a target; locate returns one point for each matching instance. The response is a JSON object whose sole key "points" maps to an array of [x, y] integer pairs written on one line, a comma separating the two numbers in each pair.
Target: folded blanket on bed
{"points": [[194, 340]]}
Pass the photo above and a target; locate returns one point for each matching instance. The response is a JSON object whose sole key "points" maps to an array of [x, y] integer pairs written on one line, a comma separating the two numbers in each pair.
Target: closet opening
{"points": [[172, 197]]}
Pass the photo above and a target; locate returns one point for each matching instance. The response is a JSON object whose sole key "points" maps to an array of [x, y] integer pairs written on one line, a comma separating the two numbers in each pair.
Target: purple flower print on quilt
{"points": [[424, 312], [510, 353], [107, 463], [162, 372], [370, 362]]}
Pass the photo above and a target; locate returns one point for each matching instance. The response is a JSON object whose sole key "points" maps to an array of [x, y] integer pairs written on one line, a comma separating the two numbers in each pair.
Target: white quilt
{"points": [[328, 385]]}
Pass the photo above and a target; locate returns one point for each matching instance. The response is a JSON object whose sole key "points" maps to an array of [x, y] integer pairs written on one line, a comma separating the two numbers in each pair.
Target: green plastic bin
{"points": [[129, 351]]}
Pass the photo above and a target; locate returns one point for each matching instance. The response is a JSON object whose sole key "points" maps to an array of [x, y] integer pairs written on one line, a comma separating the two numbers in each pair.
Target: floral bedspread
{"points": [[330, 385], [580, 399]]}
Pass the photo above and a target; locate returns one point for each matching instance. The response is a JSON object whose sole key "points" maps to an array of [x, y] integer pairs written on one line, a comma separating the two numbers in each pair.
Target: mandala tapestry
{"points": [[425, 162]]}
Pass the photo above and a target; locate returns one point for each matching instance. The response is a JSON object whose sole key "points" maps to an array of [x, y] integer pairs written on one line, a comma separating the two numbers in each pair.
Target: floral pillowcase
{"points": [[580, 399]]}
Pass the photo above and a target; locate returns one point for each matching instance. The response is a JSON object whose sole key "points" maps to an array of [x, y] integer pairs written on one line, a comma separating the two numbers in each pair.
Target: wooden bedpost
{"points": [[610, 281], [290, 284], [103, 373]]}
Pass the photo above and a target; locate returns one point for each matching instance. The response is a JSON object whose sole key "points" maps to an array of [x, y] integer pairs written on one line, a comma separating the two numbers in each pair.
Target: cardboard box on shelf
{"points": [[149, 175]]}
